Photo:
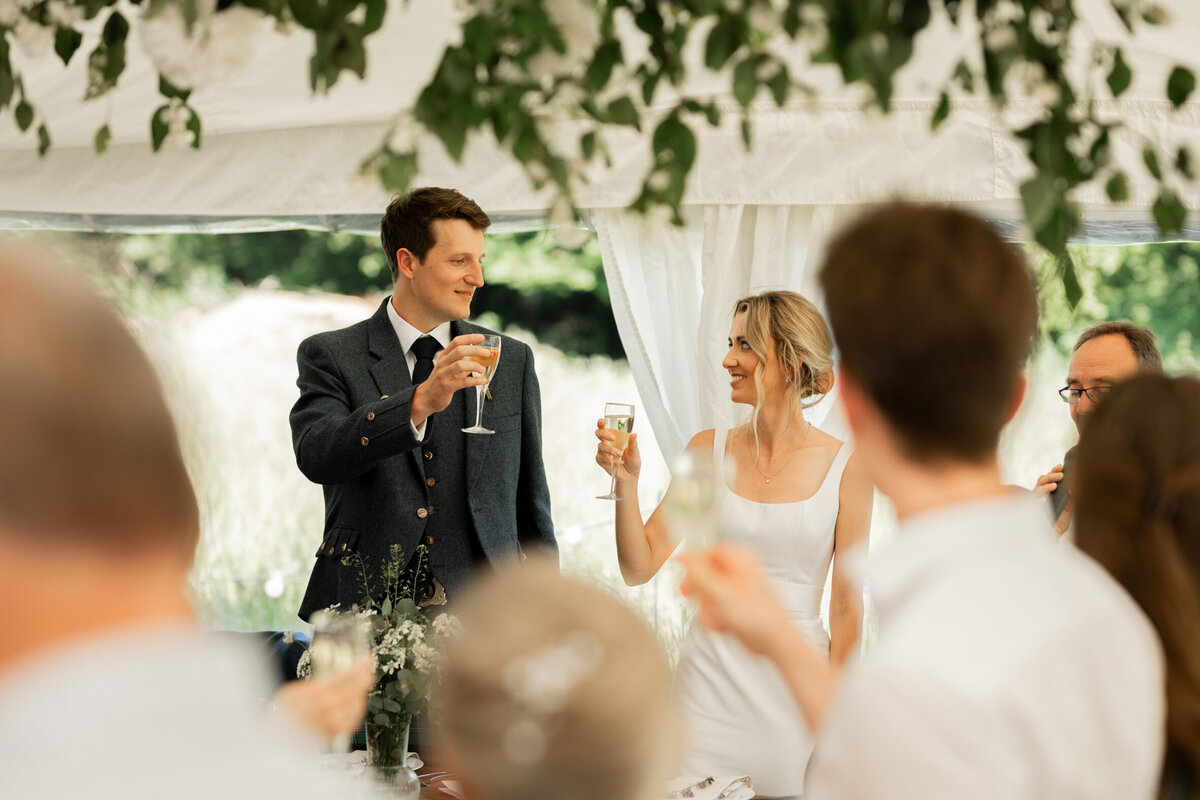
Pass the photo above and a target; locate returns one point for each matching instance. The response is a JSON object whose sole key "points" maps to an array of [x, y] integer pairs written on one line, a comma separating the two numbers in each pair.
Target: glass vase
{"points": [[387, 758]]}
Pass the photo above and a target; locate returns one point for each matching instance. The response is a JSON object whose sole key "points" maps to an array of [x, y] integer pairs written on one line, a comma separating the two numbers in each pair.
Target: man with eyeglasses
{"points": [[1105, 355]]}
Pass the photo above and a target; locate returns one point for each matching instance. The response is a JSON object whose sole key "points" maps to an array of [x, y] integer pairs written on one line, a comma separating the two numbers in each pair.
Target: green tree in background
{"points": [[533, 281], [1156, 285]]}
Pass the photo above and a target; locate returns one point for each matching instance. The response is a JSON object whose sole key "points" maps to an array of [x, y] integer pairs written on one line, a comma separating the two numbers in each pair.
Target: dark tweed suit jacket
{"points": [[351, 432]]}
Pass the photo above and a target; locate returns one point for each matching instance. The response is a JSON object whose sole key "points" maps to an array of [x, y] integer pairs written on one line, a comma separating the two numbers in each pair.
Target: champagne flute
{"points": [[693, 501], [618, 418], [488, 362], [339, 639]]}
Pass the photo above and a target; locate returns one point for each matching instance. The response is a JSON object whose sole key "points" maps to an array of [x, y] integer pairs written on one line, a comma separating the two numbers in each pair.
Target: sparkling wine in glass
{"points": [[339, 639], [618, 418], [488, 362]]}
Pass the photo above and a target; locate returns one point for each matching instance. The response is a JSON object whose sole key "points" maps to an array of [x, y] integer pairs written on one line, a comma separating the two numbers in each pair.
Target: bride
{"points": [[801, 500]]}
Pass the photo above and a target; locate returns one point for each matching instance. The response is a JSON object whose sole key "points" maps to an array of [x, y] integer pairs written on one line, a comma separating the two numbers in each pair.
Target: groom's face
{"points": [[444, 282]]}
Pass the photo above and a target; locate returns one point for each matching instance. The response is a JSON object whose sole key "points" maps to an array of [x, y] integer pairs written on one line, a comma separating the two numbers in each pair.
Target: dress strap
{"points": [[834, 476], [719, 436]]}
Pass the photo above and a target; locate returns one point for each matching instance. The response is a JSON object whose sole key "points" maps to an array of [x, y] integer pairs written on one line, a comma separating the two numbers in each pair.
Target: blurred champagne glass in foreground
{"points": [[693, 501], [339, 639]]}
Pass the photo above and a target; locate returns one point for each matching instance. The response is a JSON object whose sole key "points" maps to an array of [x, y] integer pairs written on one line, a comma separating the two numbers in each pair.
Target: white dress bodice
{"points": [[741, 717]]}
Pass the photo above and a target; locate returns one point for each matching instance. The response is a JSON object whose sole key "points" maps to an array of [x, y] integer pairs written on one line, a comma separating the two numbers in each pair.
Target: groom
{"points": [[381, 411]]}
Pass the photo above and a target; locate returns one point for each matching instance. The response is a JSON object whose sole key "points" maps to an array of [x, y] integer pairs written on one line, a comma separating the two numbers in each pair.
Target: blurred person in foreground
{"points": [[107, 686], [554, 689], [1005, 666], [1104, 355], [1137, 484]]}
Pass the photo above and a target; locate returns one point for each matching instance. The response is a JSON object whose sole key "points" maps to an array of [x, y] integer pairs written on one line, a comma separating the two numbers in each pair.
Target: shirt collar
{"points": [[930, 544], [407, 334]]}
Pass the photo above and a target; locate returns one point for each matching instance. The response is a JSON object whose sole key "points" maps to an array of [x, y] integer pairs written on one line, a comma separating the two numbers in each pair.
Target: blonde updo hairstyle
{"points": [[802, 342], [555, 689]]}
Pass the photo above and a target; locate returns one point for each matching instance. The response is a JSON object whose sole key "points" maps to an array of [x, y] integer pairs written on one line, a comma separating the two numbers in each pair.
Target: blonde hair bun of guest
{"points": [[554, 689]]}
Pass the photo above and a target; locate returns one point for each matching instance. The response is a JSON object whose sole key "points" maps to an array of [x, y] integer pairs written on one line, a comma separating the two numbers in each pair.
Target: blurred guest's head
{"points": [[91, 472], [1105, 355], [1137, 512], [789, 346], [934, 316], [554, 689]]}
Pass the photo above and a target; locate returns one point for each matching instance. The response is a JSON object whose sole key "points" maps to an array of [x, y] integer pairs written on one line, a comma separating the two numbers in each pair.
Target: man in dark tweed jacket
{"points": [[381, 411]]}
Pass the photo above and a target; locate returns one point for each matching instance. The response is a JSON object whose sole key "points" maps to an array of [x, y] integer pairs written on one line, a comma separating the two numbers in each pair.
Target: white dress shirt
{"points": [[150, 713], [1006, 667], [407, 334]]}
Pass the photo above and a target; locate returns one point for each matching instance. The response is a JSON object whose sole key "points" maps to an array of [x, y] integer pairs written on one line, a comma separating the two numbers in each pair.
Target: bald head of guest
{"points": [[98, 518]]}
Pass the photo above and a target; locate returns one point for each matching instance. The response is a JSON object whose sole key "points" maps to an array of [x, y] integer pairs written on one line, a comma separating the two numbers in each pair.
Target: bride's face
{"points": [[741, 361]]}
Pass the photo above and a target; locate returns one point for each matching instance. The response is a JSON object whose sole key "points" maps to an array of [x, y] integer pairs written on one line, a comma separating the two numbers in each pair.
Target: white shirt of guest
{"points": [[153, 712], [407, 334], [1006, 667]]}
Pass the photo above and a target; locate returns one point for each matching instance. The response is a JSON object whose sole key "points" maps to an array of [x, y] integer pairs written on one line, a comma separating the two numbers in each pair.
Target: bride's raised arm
{"points": [[855, 498], [642, 547]]}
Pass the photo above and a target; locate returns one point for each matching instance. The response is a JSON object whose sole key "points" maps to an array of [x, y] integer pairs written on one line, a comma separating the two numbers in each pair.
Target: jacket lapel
{"points": [[390, 369]]}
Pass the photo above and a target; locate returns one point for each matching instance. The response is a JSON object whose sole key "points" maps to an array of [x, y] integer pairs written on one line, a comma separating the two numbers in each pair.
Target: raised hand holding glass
{"points": [[618, 418]]}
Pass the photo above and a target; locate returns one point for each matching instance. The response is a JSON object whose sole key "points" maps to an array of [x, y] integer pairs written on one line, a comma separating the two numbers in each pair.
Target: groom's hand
{"points": [[451, 373]]}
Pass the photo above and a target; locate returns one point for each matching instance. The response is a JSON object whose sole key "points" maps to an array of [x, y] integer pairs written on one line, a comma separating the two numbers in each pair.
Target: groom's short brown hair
{"points": [[408, 220], [934, 316]]}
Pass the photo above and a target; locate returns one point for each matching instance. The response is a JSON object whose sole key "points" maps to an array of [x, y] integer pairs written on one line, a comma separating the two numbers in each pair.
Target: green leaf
{"points": [[169, 90], [23, 114], [66, 42], [941, 112], [1039, 198], [721, 44], [622, 111], [1169, 212], [116, 29], [649, 85], [382, 719], [1180, 85], [6, 84], [351, 55], [386, 608], [1151, 159], [193, 125], [1070, 278], [376, 10], [780, 85], [746, 132], [745, 84], [1120, 76], [600, 70], [965, 77], [480, 36], [158, 127], [1117, 188], [101, 139], [587, 144], [307, 13], [1183, 163], [43, 139]]}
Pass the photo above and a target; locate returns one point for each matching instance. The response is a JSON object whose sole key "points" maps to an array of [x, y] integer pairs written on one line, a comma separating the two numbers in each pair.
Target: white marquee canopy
{"points": [[275, 156]]}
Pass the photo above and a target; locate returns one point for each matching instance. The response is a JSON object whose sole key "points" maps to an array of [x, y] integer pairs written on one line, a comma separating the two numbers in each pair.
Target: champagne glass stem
{"points": [[479, 406], [616, 467]]}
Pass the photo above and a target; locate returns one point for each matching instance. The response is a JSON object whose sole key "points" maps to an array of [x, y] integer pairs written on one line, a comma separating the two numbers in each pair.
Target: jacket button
{"points": [[430, 481], [329, 552], [383, 397], [422, 513], [431, 509], [428, 540], [363, 441], [429, 455], [370, 416]]}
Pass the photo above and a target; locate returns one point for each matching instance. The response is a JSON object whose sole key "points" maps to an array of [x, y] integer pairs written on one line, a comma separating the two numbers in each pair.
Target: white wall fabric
{"points": [[673, 291]]}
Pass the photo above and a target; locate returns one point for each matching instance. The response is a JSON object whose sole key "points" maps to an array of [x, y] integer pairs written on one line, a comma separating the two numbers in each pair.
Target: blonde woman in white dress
{"points": [[797, 496]]}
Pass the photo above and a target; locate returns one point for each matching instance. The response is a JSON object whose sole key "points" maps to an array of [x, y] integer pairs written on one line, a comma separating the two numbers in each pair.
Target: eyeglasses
{"points": [[1094, 393]]}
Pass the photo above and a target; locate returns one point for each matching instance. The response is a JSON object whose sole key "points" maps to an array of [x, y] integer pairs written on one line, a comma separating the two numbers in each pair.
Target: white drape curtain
{"points": [[673, 290]]}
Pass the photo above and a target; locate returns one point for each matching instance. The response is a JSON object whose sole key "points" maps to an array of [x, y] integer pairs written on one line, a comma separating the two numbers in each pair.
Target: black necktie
{"points": [[424, 349]]}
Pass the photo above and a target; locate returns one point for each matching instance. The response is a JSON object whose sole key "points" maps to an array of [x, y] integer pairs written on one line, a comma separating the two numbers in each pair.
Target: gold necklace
{"points": [[767, 477]]}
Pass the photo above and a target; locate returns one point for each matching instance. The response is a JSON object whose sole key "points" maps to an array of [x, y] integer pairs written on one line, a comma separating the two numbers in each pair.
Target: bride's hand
{"points": [[607, 454]]}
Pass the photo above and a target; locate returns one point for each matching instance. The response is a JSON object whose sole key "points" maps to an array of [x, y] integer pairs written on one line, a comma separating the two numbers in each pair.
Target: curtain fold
{"points": [[673, 290]]}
